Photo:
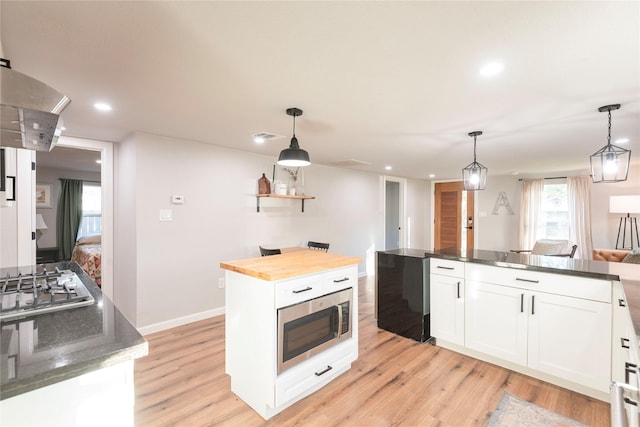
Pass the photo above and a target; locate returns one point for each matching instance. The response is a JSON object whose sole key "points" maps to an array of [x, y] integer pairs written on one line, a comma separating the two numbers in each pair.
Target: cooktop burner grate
{"points": [[45, 291]]}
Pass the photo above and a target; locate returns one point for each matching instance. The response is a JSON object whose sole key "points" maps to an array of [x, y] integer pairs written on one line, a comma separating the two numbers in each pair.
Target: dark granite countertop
{"points": [[627, 274], [40, 350]]}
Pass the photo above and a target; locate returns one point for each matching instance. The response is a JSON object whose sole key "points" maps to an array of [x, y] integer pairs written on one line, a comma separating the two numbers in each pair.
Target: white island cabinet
{"points": [[256, 289], [556, 327], [447, 300]]}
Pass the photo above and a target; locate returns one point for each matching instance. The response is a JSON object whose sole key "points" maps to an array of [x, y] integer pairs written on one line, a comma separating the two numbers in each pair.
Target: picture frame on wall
{"points": [[43, 196]]}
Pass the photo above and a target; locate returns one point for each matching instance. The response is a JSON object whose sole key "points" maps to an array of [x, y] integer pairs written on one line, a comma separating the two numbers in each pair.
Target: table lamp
{"points": [[40, 225], [628, 205]]}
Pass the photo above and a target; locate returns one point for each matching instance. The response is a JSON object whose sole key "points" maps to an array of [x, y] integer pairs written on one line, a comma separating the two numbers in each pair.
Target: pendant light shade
{"points": [[474, 175], [294, 156], [610, 163]]}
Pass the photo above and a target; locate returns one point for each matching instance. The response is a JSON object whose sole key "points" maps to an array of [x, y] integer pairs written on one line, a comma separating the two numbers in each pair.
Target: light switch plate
{"points": [[166, 215]]}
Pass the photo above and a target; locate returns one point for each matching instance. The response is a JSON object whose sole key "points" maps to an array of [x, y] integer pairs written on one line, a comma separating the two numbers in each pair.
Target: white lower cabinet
{"points": [[555, 326], [446, 292], [559, 335], [447, 308], [570, 338], [496, 321], [625, 361]]}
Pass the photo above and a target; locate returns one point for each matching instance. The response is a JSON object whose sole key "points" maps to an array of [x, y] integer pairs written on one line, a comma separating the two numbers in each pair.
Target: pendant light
{"points": [[294, 156], [474, 175], [610, 163]]}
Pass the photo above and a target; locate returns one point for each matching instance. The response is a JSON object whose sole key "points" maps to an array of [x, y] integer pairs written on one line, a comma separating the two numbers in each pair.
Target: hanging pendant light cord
{"points": [[294, 124], [474, 149], [609, 134]]}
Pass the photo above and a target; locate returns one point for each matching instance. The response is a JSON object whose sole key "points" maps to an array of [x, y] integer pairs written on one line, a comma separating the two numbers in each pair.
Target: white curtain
{"points": [[530, 212], [579, 203]]}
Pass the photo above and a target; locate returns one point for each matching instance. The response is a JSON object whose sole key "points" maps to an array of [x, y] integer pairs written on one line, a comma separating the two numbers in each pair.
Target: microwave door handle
{"points": [[339, 307]]}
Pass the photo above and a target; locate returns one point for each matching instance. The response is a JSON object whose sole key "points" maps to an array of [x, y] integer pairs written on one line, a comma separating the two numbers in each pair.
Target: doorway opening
{"points": [[395, 230], [102, 151]]}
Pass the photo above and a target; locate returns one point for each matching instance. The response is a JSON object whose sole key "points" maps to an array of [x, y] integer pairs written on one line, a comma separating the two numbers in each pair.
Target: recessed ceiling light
{"points": [[258, 139], [622, 140], [432, 175], [491, 69], [388, 168], [101, 106]]}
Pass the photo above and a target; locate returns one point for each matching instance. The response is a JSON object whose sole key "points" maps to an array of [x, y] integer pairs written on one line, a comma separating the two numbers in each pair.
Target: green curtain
{"points": [[69, 216]]}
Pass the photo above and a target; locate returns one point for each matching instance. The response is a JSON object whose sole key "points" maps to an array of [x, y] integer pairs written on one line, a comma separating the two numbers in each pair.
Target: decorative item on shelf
{"points": [[474, 175], [626, 205], [294, 175], [264, 186], [610, 163], [294, 155]]}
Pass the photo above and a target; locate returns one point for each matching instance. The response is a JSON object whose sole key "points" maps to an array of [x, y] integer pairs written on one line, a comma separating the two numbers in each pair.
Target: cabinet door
{"points": [[570, 338], [496, 321], [447, 308]]}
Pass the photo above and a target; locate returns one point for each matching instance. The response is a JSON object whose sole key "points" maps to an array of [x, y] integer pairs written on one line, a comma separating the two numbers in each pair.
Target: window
{"points": [[555, 212], [91, 223]]}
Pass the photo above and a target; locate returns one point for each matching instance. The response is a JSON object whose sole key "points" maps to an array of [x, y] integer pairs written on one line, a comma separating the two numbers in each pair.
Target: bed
{"points": [[87, 253]]}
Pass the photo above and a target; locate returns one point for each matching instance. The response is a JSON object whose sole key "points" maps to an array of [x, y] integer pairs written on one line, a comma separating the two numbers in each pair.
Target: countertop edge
{"points": [[45, 379]]}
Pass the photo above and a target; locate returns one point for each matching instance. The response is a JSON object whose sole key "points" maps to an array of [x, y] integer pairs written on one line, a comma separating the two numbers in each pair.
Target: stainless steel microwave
{"points": [[311, 327]]}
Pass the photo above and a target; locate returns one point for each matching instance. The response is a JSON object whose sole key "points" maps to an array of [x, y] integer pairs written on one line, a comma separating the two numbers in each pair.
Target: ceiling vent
{"points": [[264, 136], [349, 163]]}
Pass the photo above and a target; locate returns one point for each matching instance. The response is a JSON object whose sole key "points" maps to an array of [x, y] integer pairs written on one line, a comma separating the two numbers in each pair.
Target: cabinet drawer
{"points": [[315, 372], [340, 279], [299, 289], [558, 284], [447, 267]]}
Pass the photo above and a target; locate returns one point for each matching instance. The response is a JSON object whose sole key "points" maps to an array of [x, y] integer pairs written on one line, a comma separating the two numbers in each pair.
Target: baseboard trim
{"points": [[168, 324]]}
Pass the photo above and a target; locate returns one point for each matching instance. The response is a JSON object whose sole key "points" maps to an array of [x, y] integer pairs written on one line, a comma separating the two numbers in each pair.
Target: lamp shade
{"points": [[624, 204], [294, 156], [610, 164], [40, 224]]}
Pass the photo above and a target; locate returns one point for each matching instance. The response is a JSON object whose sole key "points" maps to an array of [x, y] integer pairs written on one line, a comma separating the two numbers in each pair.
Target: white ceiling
{"points": [[388, 83]]}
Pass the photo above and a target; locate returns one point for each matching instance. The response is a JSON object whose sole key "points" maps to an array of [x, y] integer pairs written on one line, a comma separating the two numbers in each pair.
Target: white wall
{"points": [[170, 270], [125, 293], [499, 231], [52, 176]]}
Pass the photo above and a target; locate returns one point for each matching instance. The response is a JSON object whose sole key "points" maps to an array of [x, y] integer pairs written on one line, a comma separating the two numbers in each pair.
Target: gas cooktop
{"points": [[24, 295]]}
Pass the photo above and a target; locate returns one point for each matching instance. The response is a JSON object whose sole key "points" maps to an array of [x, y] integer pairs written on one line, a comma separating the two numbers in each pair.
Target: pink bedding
{"points": [[88, 256]]}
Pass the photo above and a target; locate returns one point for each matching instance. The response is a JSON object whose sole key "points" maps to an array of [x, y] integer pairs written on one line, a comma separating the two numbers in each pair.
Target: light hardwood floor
{"points": [[395, 381]]}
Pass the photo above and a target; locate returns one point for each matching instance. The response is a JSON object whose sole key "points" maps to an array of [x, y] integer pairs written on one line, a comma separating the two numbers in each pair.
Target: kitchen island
{"points": [[274, 362], [570, 322], [69, 367]]}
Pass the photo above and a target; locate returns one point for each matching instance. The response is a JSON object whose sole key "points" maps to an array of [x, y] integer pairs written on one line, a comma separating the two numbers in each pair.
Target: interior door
{"points": [[453, 217]]}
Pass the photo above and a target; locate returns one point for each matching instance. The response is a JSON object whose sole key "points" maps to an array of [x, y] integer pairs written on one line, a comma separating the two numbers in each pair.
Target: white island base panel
{"points": [[104, 397]]}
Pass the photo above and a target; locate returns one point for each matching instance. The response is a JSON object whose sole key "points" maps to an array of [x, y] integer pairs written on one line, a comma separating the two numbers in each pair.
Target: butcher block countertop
{"points": [[290, 263]]}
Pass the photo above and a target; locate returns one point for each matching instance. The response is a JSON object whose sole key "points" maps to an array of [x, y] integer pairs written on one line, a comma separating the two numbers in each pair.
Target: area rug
{"points": [[513, 411]]}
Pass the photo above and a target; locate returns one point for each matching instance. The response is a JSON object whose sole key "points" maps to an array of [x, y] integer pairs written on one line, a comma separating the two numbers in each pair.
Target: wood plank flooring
{"points": [[395, 382]]}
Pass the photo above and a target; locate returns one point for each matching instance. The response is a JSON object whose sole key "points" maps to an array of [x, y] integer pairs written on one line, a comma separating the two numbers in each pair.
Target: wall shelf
{"points": [[281, 196]]}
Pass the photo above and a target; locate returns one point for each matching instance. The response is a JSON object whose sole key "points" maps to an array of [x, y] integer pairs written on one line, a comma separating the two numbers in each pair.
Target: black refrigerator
{"points": [[402, 289]]}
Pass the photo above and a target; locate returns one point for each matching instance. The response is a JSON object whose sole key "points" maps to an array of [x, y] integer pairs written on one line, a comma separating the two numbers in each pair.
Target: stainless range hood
{"points": [[29, 111]]}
